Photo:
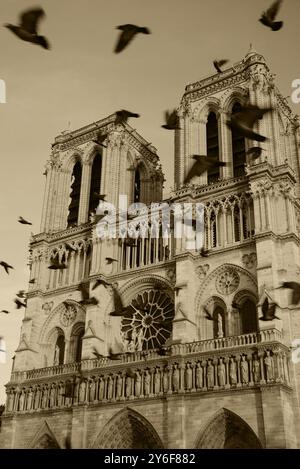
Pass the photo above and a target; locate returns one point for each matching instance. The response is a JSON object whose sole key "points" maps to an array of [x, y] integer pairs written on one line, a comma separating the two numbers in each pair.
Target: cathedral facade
{"points": [[227, 379]]}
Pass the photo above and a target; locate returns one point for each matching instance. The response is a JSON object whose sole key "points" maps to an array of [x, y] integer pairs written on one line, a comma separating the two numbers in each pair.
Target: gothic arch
{"points": [[212, 105], [72, 159], [44, 438], [226, 430], [236, 94], [53, 319], [128, 429]]}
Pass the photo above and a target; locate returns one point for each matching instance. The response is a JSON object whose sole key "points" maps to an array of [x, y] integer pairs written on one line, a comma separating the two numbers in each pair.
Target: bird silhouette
{"points": [[268, 310], [254, 152], [23, 221], [27, 29], [244, 120], [70, 248], [113, 355], [296, 291], [219, 63], [97, 354], [56, 265], [110, 260], [204, 252], [6, 266], [21, 294], [99, 196], [202, 164], [172, 120], [32, 281], [129, 31], [100, 281], [19, 303], [122, 116], [100, 139], [207, 314], [269, 16], [4, 311], [85, 294]]}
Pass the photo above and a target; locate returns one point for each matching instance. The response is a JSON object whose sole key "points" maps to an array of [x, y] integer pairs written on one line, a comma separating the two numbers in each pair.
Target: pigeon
{"points": [[27, 30], [97, 354], [178, 288], [244, 120], [100, 139], [268, 17], [110, 260], [202, 164], [296, 291], [130, 373], [86, 299], [119, 308], [129, 31], [19, 304], [172, 120], [21, 294], [207, 314], [114, 356], [99, 196], [123, 116], [6, 266], [254, 152], [204, 252], [32, 281], [23, 221], [56, 265], [69, 247], [268, 311], [162, 351], [4, 311], [219, 63], [100, 281]]}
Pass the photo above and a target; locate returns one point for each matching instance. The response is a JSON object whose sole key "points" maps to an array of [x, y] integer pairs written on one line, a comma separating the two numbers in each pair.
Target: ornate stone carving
{"points": [[249, 260], [47, 307], [227, 282], [68, 315], [202, 270]]}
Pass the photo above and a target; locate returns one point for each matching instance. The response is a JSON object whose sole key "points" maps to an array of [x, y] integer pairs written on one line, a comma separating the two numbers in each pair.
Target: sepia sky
{"points": [[81, 80]]}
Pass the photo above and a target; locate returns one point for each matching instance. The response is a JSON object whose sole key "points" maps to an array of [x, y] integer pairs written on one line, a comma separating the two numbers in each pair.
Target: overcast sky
{"points": [[81, 80]]}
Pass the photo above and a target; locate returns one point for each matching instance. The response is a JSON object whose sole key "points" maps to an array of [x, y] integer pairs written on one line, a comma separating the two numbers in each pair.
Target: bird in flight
{"points": [[268, 310], [202, 164], [86, 299], [100, 281], [295, 287], [32, 281], [244, 120], [254, 152], [207, 314], [204, 252], [100, 196], [110, 260], [100, 139], [122, 116], [19, 304], [27, 29], [219, 63], [4, 311], [129, 31], [23, 221], [21, 294], [56, 265], [172, 120], [6, 266], [268, 17], [69, 247]]}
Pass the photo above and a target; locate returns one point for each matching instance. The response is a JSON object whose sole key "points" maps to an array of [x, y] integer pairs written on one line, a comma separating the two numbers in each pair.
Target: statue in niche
{"points": [[56, 356], [175, 378], [232, 371], [82, 391], [137, 384], [147, 381], [110, 388], [52, 395], [210, 375], [269, 364], [221, 373], [199, 376], [10, 400], [29, 399], [119, 386], [256, 369], [157, 381], [244, 370], [101, 388], [44, 397], [21, 400], [165, 380], [59, 395], [92, 390], [188, 377], [128, 386], [220, 326], [139, 340]]}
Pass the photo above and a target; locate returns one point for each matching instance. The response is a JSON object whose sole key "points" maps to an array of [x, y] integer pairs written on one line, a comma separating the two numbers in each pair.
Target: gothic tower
{"points": [[224, 379]]}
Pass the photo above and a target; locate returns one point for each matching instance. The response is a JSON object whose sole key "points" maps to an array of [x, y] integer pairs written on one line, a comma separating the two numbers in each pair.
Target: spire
{"points": [[251, 50]]}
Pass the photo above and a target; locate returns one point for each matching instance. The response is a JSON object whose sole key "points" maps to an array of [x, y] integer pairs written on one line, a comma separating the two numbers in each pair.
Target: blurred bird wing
{"points": [[196, 170], [30, 18], [125, 38], [222, 62], [84, 291], [118, 303], [173, 118], [273, 10]]}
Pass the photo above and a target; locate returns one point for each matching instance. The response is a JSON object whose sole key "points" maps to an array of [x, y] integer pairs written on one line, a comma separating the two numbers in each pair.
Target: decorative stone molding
{"points": [[47, 307], [202, 270], [249, 260], [67, 314]]}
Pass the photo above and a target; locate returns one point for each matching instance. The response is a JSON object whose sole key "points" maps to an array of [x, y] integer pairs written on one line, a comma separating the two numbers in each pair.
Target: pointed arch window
{"points": [[248, 317], [75, 195], [238, 148], [137, 185], [212, 145], [59, 350], [95, 182]]}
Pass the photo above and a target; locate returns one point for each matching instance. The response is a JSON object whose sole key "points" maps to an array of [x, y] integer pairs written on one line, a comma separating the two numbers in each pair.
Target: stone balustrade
{"points": [[244, 367]]}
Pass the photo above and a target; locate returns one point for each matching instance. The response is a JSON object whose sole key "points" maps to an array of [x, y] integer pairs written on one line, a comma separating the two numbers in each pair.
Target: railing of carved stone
{"points": [[241, 368]]}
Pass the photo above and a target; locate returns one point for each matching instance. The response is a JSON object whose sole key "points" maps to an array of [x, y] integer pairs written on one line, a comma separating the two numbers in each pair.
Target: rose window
{"points": [[148, 324], [227, 282]]}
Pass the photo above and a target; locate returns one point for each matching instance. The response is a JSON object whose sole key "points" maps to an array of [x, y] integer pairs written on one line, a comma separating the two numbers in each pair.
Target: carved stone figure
{"points": [[101, 389], [220, 326], [119, 386], [110, 388], [157, 381], [244, 370], [175, 378], [147, 383], [82, 391], [269, 364], [10, 400], [92, 390], [256, 369], [188, 377], [165, 380], [139, 339], [21, 400], [45, 397], [221, 373], [137, 384], [232, 371], [199, 376], [210, 375], [59, 395], [128, 386], [52, 395], [56, 356]]}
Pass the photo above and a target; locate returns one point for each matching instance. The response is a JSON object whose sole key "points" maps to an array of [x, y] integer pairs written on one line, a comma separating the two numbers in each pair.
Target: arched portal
{"points": [[46, 442], [128, 430], [226, 430]]}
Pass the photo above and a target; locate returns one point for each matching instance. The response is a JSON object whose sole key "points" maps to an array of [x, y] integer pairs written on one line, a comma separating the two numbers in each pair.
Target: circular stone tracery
{"points": [[227, 282], [149, 321]]}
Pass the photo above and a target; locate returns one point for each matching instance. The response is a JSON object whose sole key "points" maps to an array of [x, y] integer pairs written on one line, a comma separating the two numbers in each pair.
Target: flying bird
{"points": [[27, 29], [100, 281], [202, 164], [97, 354], [110, 260], [100, 139], [21, 294], [204, 252], [129, 31], [56, 265], [207, 314], [6, 266], [85, 294], [219, 63], [296, 291], [114, 356], [32, 281], [254, 152], [4, 311], [23, 221], [172, 120], [268, 310], [244, 120], [19, 304], [122, 116], [99, 196], [269, 16]]}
